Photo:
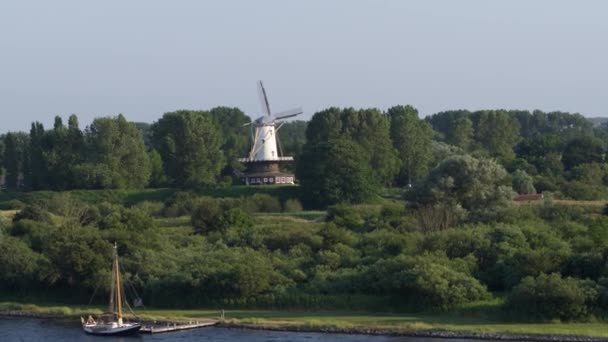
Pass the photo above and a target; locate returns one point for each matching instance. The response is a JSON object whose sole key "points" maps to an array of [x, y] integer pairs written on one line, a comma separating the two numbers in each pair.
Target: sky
{"points": [[143, 58]]}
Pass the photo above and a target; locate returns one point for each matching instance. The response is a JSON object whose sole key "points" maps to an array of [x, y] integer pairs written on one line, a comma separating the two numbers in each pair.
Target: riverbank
{"points": [[437, 325]]}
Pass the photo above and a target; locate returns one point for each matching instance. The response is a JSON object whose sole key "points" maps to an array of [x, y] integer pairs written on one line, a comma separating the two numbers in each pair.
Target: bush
{"points": [[523, 183], [13, 204], [266, 203], [583, 192], [34, 213], [553, 297], [207, 216], [292, 205], [211, 215], [180, 204], [427, 282]]}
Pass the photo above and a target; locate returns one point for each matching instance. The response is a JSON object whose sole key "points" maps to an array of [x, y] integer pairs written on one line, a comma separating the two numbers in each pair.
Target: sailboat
{"points": [[111, 323]]}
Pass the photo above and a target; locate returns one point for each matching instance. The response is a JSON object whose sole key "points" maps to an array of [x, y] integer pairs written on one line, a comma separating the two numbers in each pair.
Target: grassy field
{"points": [[455, 321], [130, 197]]}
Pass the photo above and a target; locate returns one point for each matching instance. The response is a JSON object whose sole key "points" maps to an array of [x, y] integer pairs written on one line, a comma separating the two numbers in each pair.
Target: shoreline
{"points": [[427, 333]]}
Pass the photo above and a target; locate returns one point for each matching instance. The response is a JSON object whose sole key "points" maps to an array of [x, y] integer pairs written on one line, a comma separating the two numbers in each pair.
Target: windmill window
{"points": [[273, 153], [265, 180], [271, 180]]}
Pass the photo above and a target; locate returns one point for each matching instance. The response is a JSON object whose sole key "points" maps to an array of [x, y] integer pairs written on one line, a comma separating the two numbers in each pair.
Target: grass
{"points": [[454, 321], [131, 197]]}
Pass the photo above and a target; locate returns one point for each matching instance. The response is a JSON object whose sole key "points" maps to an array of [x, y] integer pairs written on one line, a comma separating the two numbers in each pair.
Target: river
{"points": [[27, 330]]}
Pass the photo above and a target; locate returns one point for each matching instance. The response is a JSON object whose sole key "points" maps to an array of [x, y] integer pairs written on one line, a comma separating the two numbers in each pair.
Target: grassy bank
{"points": [[462, 321]]}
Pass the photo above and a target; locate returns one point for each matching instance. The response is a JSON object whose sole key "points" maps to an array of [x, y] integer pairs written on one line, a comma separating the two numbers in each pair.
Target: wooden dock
{"points": [[169, 327]]}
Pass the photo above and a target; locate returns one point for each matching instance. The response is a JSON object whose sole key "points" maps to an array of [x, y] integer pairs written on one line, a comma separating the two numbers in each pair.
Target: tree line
{"points": [[355, 152]]}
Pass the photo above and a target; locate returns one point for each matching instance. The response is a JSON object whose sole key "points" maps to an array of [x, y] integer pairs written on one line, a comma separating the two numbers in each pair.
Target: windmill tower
{"points": [[263, 163]]}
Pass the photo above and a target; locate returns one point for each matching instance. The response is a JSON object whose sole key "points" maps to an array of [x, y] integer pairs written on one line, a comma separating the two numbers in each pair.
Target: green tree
{"points": [[157, 171], [476, 185], [1, 156], [189, 143], [292, 137], [497, 132], [411, 138], [18, 263], [15, 158], [37, 176], [116, 156], [551, 297], [583, 150], [64, 152], [368, 128], [234, 135], [335, 171], [523, 182], [462, 134]]}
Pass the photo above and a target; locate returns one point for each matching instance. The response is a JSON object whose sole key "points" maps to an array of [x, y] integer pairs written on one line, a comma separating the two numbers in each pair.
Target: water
{"points": [[26, 330]]}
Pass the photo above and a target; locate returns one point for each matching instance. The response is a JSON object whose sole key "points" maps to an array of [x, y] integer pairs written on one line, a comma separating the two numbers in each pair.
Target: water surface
{"points": [[54, 330]]}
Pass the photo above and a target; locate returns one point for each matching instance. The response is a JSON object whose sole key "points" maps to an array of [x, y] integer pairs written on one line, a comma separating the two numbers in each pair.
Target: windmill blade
{"points": [[263, 99], [289, 113]]}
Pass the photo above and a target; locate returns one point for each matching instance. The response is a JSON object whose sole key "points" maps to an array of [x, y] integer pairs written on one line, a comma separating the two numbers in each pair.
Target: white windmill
{"points": [[264, 158]]}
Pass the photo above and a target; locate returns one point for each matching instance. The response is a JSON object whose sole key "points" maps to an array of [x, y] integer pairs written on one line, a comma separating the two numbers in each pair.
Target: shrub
{"points": [[180, 204], [523, 183], [292, 205], [32, 212], [207, 216], [553, 297], [426, 281], [13, 204], [266, 203]]}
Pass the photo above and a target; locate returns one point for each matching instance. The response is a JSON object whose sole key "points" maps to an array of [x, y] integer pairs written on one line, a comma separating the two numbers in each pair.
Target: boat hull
{"points": [[127, 329]]}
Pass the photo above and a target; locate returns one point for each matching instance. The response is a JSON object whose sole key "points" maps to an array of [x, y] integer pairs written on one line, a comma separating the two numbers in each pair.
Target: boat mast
{"points": [[117, 284]]}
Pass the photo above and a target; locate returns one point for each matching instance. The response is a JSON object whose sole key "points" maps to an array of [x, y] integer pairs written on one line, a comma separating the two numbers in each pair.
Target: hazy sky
{"points": [[143, 58]]}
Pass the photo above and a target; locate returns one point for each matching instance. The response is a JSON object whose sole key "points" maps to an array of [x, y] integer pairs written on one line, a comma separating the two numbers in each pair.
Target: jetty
{"points": [[157, 328]]}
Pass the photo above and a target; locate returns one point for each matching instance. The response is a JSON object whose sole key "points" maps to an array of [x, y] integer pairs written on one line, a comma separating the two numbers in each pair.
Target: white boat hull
{"points": [[112, 329]]}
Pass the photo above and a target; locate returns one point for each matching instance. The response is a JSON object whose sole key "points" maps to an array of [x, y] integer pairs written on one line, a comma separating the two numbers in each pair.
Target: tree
{"points": [[1, 156], [234, 135], [157, 172], [368, 128], [15, 158], [551, 297], [210, 216], [462, 134], [497, 132], [37, 176], [411, 138], [523, 183], [292, 137], [335, 171], [189, 143], [476, 185], [18, 263], [583, 150], [116, 156], [65, 153]]}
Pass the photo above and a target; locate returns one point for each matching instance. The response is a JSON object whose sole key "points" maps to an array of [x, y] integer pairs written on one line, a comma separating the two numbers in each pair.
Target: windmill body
{"points": [[264, 143], [264, 160]]}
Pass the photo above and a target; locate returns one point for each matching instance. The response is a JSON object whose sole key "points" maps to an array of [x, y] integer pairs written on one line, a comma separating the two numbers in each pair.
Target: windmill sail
{"points": [[288, 113], [263, 99]]}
